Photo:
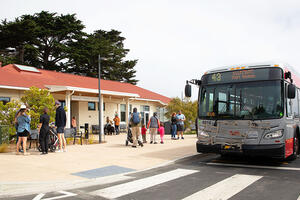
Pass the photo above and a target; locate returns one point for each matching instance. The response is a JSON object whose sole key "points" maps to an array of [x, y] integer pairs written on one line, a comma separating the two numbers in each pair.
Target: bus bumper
{"points": [[272, 150]]}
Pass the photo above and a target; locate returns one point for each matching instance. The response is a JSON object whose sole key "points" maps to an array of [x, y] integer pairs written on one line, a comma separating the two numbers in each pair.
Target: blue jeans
{"points": [[174, 130]]}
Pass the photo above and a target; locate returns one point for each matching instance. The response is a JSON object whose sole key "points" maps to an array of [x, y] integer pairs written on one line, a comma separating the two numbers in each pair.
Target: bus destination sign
{"points": [[243, 75]]}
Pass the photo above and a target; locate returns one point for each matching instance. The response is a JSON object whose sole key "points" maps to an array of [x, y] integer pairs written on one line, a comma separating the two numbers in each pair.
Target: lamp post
{"points": [[99, 95]]}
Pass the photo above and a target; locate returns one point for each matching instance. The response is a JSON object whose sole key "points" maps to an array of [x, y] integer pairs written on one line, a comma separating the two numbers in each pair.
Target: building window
{"points": [[130, 109], [5, 100], [91, 106], [123, 112], [145, 114]]}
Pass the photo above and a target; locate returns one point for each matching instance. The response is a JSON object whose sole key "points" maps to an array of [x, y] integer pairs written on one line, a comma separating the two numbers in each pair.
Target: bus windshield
{"points": [[249, 100]]}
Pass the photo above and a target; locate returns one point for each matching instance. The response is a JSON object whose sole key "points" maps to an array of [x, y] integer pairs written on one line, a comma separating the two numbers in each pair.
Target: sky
{"points": [[175, 41]]}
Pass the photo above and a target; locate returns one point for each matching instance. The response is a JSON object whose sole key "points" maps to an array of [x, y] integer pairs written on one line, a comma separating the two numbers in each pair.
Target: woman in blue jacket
{"points": [[23, 128]]}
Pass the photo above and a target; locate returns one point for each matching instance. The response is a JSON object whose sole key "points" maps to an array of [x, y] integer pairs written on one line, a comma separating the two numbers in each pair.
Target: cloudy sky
{"points": [[179, 40]]}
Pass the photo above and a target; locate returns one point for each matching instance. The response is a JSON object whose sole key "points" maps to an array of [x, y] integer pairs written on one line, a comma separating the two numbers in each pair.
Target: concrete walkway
{"points": [[28, 174]]}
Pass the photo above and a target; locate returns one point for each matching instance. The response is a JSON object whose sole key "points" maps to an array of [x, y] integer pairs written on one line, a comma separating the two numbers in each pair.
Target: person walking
{"points": [[161, 131], [144, 131], [60, 123], [43, 128], [153, 124], [173, 126], [117, 123], [180, 124], [23, 121], [135, 120]]}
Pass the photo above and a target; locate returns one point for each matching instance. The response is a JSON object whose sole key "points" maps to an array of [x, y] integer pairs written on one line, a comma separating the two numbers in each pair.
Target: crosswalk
{"points": [[218, 186], [226, 188], [134, 186], [222, 190]]}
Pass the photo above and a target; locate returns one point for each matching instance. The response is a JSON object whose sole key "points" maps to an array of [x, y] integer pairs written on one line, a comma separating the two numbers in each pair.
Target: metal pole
{"points": [[99, 95]]}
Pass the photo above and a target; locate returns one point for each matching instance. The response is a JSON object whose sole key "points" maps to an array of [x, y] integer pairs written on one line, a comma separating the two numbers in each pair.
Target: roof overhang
{"points": [[58, 88], [13, 87], [151, 100]]}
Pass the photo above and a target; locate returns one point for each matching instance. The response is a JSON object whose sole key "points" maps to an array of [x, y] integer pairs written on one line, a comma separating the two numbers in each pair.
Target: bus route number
{"points": [[216, 77]]}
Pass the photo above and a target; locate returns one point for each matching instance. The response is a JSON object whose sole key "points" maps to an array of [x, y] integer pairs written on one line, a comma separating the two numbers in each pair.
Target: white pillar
{"points": [[127, 112], [68, 112]]}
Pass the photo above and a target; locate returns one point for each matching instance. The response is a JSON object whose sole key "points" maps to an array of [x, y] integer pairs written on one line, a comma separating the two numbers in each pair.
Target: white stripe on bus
{"points": [[134, 186], [225, 189]]}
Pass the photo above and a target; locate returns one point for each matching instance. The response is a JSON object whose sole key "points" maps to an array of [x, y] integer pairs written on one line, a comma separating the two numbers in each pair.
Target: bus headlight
{"points": [[203, 134], [273, 135]]}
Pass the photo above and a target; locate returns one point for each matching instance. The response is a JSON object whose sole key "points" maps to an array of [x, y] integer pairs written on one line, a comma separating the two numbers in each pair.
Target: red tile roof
{"points": [[10, 76]]}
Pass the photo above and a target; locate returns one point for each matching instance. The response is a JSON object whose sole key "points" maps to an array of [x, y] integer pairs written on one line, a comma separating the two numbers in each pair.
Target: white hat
{"points": [[23, 107]]}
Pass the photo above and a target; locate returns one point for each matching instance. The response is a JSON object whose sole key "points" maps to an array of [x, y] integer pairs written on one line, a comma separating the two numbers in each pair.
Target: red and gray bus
{"points": [[251, 109]]}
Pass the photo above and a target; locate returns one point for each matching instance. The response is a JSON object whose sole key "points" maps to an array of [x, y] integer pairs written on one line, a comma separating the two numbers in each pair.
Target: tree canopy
{"points": [[188, 108], [57, 42]]}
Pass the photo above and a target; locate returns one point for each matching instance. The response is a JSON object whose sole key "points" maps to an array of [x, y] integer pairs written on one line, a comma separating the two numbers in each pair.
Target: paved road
{"points": [[204, 176]]}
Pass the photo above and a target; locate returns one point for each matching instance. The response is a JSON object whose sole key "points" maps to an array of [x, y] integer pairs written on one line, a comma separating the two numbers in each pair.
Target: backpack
{"points": [[135, 118]]}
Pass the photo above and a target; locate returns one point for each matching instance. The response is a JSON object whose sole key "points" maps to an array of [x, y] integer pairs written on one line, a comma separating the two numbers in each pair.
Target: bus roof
{"points": [[246, 66], [284, 66]]}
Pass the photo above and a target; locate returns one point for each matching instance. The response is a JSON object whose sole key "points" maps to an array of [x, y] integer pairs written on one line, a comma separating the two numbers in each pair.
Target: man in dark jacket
{"points": [[60, 123]]}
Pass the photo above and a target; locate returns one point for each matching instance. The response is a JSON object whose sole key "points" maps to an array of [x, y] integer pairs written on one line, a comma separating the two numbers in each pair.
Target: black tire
{"points": [[40, 148], [52, 148], [295, 148]]}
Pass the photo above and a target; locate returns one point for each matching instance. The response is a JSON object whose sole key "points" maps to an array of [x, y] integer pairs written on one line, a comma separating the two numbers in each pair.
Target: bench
{"points": [[123, 128], [71, 133]]}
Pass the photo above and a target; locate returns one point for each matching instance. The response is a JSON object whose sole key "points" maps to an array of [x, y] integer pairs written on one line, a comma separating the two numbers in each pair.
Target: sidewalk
{"points": [[22, 174]]}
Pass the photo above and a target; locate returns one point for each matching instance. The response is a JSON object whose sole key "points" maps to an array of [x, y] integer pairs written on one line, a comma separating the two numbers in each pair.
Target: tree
{"points": [[188, 108], [56, 42], [42, 40], [109, 45], [14, 36], [36, 100]]}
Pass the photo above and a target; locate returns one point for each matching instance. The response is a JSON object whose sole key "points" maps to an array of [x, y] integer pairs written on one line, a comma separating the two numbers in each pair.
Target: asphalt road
{"points": [[204, 176]]}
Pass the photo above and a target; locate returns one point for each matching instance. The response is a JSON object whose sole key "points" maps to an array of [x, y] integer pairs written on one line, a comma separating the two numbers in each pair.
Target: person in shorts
{"points": [[60, 123], [180, 124], [23, 128]]}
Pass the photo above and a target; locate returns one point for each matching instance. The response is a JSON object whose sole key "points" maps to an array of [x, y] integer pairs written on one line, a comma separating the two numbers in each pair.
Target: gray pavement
{"points": [[86, 165]]}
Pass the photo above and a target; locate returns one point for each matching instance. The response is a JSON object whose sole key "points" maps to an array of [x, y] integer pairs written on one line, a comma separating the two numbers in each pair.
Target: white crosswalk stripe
{"points": [[225, 189], [137, 185]]}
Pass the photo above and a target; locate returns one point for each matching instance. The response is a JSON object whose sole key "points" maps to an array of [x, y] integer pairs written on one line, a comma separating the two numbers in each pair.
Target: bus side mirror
{"points": [[188, 90], [291, 91]]}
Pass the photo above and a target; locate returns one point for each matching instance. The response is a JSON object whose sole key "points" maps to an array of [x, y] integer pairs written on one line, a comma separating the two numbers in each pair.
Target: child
{"points": [[161, 131], [144, 130]]}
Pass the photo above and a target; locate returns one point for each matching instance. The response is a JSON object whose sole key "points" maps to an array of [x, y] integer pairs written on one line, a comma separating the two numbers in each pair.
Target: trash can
{"points": [[168, 127], [86, 131]]}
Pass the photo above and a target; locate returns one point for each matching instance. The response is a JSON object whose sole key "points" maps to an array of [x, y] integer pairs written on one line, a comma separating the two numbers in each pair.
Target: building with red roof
{"points": [[80, 94]]}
